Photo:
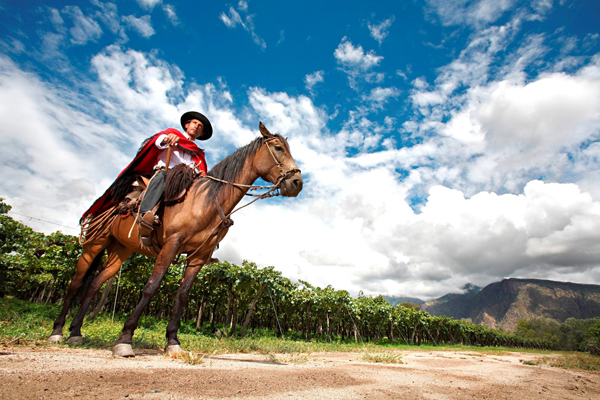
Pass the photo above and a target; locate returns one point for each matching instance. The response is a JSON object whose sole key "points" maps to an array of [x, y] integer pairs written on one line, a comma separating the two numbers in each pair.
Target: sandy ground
{"points": [[60, 373]]}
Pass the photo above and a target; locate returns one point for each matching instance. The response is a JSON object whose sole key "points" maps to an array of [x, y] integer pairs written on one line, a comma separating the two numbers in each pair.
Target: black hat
{"points": [[190, 115]]}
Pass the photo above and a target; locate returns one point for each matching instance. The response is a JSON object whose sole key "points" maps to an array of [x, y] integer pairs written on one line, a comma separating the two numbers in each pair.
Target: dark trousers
{"points": [[154, 192]]}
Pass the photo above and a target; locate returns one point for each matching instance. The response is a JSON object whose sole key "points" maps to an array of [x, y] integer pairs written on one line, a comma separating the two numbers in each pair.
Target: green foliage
{"points": [[4, 208], [414, 306], [228, 300], [571, 335], [593, 344], [539, 328]]}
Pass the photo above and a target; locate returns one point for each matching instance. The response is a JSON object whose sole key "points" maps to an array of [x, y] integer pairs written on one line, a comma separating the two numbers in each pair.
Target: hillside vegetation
{"points": [[228, 300]]}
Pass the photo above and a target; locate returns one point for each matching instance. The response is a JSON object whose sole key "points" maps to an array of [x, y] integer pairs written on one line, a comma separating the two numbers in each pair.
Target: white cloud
{"points": [[356, 63], [462, 11], [51, 150], [109, 15], [171, 14], [379, 96], [56, 19], [311, 80], [381, 30], [234, 19], [554, 111], [84, 28], [12, 45], [148, 4], [355, 57], [142, 25], [525, 129]]}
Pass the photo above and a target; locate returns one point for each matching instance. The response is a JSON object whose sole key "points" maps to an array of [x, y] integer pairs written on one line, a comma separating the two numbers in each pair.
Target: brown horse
{"points": [[194, 226]]}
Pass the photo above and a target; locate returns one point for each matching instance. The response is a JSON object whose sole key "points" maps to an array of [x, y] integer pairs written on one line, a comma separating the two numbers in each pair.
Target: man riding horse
{"points": [[151, 159], [195, 225]]}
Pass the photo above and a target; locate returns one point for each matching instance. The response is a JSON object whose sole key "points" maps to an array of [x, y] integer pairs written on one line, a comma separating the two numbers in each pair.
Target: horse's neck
{"points": [[232, 195]]}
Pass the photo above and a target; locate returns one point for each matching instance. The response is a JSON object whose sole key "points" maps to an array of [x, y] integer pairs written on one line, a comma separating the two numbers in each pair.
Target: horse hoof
{"points": [[173, 349], [55, 338], [123, 350], [77, 340]]}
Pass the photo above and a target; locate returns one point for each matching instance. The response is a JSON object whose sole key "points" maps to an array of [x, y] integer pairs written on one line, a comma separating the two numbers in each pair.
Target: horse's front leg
{"points": [[122, 347], [181, 299]]}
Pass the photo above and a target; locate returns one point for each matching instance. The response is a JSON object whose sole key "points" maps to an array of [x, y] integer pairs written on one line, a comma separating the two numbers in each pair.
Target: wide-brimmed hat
{"points": [[190, 115]]}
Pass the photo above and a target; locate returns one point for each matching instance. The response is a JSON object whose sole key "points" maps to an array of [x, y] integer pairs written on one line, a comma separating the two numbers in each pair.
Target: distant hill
{"points": [[395, 300], [453, 303], [502, 304]]}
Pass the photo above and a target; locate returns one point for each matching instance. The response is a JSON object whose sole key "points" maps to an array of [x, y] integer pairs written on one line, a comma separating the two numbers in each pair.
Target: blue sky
{"points": [[441, 142]]}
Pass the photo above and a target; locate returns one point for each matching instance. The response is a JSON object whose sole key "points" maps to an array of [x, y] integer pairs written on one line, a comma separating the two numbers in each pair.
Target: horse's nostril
{"points": [[297, 182]]}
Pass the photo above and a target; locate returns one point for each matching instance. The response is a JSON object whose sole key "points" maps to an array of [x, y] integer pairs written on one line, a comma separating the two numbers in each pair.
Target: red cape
{"points": [[143, 164]]}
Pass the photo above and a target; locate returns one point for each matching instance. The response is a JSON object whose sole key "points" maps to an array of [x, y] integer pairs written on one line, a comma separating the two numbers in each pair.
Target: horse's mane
{"points": [[229, 168]]}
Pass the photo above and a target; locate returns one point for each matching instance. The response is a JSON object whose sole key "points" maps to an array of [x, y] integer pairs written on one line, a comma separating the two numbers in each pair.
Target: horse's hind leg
{"points": [[91, 254], [180, 302], [117, 254]]}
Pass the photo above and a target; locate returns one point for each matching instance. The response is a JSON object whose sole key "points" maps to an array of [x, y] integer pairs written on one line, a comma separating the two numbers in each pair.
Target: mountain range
{"points": [[500, 305]]}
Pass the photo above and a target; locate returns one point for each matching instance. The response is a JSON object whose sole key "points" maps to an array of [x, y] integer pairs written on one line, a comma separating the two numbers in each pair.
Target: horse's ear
{"points": [[264, 131]]}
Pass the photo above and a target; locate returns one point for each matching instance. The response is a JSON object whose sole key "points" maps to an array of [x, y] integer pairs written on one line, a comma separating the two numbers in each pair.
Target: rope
{"points": [[39, 219], [95, 226], [356, 330], [276, 317], [117, 293], [240, 185]]}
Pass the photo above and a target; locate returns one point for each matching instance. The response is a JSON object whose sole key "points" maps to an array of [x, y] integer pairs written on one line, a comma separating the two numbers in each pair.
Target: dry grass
{"points": [[386, 357], [568, 360], [581, 361], [291, 358], [188, 357]]}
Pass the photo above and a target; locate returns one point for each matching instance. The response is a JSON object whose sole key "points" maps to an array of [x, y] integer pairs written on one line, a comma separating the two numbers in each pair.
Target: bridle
{"points": [[283, 175], [274, 189]]}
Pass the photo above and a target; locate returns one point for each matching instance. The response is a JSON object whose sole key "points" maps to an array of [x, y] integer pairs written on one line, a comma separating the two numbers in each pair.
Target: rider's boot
{"points": [[145, 227]]}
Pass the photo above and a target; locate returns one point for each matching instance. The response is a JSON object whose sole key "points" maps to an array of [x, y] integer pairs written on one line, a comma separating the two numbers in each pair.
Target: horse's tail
{"points": [[89, 275]]}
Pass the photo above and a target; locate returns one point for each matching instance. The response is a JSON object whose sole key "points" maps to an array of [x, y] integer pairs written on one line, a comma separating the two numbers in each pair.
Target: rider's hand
{"points": [[171, 139]]}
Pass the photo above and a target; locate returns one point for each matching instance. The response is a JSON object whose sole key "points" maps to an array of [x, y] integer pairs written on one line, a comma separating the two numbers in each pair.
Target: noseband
{"points": [[283, 175]]}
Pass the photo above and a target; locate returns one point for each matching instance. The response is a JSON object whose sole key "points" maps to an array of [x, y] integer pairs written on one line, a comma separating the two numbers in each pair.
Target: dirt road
{"points": [[53, 373]]}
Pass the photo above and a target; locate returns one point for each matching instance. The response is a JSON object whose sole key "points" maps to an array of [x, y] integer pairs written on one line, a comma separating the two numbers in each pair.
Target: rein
{"points": [[283, 175], [227, 222]]}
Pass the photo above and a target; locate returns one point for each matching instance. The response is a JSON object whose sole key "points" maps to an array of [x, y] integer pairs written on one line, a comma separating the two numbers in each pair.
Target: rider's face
{"points": [[194, 129]]}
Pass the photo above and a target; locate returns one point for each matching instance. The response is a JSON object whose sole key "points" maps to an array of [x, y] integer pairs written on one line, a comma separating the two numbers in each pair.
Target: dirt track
{"points": [[52, 373]]}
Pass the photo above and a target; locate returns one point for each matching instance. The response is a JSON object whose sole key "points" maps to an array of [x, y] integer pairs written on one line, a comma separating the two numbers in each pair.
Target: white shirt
{"points": [[177, 156]]}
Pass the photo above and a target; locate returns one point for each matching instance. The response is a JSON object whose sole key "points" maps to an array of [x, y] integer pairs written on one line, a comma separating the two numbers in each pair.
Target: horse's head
{"points": [[274, 163]]}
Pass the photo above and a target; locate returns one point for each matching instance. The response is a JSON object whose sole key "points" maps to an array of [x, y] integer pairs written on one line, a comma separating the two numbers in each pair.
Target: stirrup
{"points": [[148, 220], [146, 241]]}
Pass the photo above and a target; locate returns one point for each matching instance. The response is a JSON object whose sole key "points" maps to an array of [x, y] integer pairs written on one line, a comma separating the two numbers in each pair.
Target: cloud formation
{"points": [[357, 63], [141, 25], [380, 31], [233, 19], [311, 80]]}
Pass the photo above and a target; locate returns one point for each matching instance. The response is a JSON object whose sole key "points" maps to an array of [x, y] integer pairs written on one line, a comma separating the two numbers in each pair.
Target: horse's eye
{"points": [[278, 148]]}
